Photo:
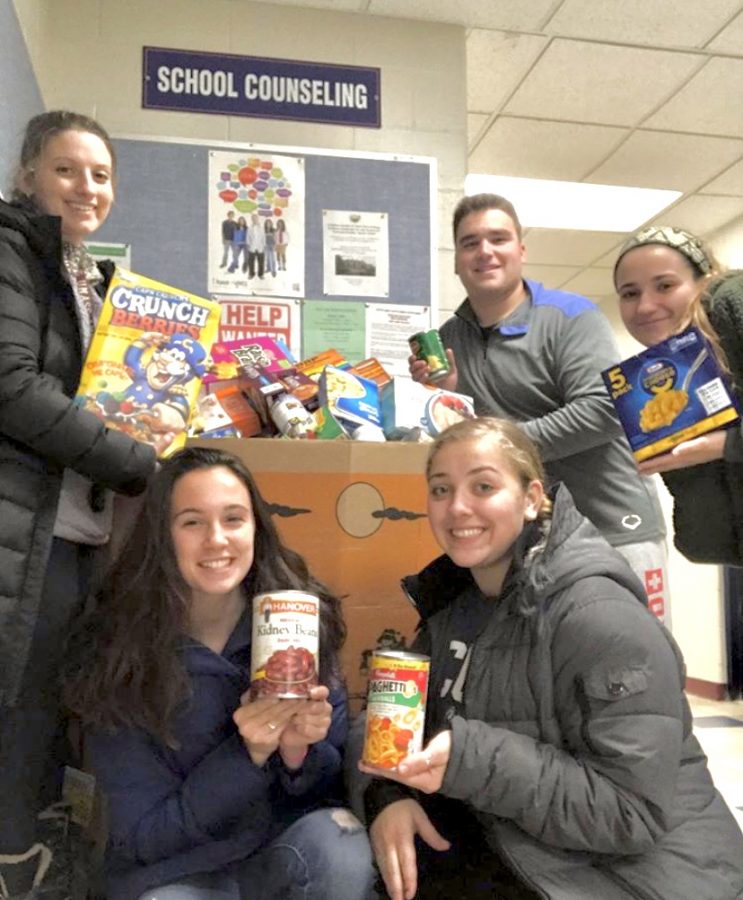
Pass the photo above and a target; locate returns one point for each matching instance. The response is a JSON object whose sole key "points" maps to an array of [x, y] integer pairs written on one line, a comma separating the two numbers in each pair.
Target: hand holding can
{"points": [[428, 347], [396, 708]]}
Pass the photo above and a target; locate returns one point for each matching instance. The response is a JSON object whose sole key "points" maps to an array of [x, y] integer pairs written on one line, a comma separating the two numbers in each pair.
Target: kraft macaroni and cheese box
{"points": [[670, 393]]}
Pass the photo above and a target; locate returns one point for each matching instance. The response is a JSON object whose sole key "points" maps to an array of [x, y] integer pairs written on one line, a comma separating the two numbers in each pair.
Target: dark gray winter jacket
{"points": [[41, 431], [575, 748]]}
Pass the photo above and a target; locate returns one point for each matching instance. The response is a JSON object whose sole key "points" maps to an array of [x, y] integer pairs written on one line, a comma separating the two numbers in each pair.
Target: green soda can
{"points": [[427, 345]]}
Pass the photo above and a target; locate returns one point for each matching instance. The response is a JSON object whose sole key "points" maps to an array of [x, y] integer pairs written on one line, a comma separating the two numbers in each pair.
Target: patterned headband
{"points": [[686, 244]]}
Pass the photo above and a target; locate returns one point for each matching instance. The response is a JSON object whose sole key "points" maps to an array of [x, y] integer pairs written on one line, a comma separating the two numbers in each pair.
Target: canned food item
{"points": [[291, 417], [284, 654], [427, 345], [396, 707]]}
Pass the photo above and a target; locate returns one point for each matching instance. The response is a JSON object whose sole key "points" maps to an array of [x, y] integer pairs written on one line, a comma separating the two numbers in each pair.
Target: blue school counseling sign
{"points": [[261, 87]]}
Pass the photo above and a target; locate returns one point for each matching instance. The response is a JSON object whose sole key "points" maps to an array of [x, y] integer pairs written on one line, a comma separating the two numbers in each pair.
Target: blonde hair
{"points": [[518, 450]]}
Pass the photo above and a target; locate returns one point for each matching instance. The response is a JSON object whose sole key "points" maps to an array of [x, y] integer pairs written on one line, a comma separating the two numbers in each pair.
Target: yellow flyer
{"points": [[148, 355]]}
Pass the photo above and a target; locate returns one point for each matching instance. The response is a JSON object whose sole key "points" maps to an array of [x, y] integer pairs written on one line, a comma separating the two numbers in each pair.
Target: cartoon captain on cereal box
{"points": [[147, 358]]}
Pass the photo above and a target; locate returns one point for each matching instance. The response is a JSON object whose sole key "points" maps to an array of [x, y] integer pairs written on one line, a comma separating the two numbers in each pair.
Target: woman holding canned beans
{"points": [[668, 280], [211, 795], [560, 762]]}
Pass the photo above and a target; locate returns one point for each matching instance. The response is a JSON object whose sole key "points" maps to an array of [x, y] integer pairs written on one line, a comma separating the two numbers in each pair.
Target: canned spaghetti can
{"points": [[396, 707], [427, 345], [284, 652]]}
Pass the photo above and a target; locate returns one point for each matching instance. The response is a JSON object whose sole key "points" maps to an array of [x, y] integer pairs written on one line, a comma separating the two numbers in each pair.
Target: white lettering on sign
{"points": [[199, 82], [306, 91]]}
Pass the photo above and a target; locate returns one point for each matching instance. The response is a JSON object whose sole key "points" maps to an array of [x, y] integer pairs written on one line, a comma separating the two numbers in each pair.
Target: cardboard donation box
{"points": [[357, 513]]}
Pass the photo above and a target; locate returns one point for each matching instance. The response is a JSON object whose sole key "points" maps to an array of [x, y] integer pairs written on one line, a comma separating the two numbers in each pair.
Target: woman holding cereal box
{"points": [[219, 752], [56, 460], [560, 762], [668, 280]]}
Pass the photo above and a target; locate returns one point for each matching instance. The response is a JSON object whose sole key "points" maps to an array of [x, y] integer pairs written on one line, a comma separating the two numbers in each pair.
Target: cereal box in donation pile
{"points": [[231, 359], [670, 393], [145, 364]]}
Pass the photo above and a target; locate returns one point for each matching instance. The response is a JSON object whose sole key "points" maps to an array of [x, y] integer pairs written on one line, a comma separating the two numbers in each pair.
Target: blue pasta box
{"points": [[670, 393], [349, 398]]}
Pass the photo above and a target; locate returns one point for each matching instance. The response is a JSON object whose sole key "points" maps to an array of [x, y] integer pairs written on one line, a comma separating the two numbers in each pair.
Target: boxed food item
{"points": [[407, 405], [670, 393], [327, 427], [231, 359], [372, 369], [349, 397], [147, 359], [313, 366], [226, 412]]}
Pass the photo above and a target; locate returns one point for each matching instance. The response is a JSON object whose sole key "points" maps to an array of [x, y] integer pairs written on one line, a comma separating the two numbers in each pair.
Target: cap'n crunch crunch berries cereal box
{"points": [[148, 355]]}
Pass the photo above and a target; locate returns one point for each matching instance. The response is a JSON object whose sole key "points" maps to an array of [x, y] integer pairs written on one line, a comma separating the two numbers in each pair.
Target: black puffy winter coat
{"points": [[41, 431], [708, 499]]}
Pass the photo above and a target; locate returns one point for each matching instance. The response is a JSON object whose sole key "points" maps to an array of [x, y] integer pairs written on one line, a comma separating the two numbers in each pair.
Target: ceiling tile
{"points": [[701, 214], [730, 182], [730, 39], [585, 82], [591, 283], [553, 247], [540, 149], [608, 259], [661, 23], [551, 276], [708, 104], [496, 63], [336, 5], [475, 121], [681, 162], [504, 14]]}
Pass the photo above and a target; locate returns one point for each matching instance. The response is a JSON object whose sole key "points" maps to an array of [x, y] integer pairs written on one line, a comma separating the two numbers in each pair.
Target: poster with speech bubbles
{"points": [[256, 223]]}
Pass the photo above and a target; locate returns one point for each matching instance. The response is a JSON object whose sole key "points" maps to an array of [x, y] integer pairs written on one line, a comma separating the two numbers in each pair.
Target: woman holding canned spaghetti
{"points": [[56, 460], [560, 762], [211, 795], [668, 280]]}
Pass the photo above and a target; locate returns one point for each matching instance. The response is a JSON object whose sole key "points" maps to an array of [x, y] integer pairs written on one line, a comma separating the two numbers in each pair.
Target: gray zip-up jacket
{"points": [[541, 367], [574, 748]]}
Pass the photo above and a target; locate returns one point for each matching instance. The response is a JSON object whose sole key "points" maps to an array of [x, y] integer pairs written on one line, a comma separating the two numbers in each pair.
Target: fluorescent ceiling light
{"points": [[576, 205]]}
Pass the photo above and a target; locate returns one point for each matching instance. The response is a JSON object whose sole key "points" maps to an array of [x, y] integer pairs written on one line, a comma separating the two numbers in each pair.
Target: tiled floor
{"points": [[718, 726]]}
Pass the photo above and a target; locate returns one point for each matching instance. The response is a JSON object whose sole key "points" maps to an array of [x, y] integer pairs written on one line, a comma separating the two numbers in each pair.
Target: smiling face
{"points": [[656, 286], [489, 257], [213, 532], [477, 508], [73, 178], [166, 367]]}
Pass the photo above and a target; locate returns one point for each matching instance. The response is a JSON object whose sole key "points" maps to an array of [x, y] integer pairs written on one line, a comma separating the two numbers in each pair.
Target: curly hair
{"points": [[124, 664]]}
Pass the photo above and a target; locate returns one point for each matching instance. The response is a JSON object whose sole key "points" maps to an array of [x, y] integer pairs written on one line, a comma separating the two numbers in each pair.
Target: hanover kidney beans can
{"points": [[427, 345], [284, 652], [396, 707]]}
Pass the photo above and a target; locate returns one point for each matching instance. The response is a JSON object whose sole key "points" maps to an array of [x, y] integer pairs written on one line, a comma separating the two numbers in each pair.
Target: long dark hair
{"points": [[124, 662]]}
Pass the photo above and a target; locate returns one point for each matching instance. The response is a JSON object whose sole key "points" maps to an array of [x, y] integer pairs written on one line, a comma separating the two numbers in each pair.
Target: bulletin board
{"points": [[162, 213]]}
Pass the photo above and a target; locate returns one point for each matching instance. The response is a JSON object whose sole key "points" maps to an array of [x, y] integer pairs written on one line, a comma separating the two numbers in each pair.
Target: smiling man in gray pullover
{"points": [[535, 355]]}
